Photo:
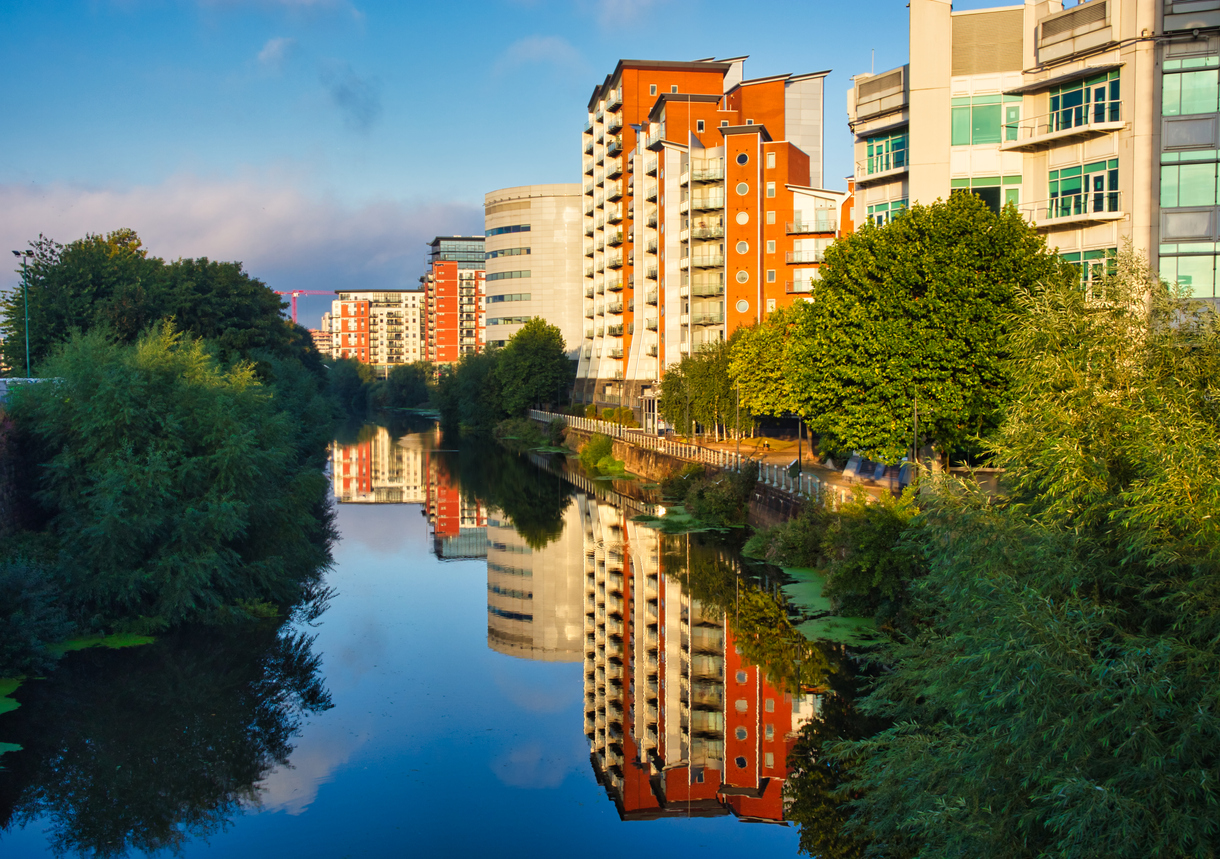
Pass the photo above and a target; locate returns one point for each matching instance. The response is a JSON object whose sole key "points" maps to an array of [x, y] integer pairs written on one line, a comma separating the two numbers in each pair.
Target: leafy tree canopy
{"points": [[916, 309], [701, 390], [533, 367]]}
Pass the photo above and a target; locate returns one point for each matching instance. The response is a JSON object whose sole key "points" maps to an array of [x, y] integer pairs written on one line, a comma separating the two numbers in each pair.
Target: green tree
{"points": [[915, 311], [407, 386], [178, 489], [757, 364], [1060, 696], [469, 396], [534, 367], [700, 390]]}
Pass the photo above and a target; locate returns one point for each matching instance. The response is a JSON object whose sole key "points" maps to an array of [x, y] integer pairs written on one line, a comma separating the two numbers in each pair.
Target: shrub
{"points": [[723, 499], [556, 431], [30, 617], [675, 487]]}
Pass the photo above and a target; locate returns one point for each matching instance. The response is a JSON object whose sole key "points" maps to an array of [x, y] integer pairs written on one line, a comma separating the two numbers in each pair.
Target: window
{"points": [[743, 158], [507, 252], [771, 247], [770, 189], [749, 122], [1188, 184], [724, 123], [769, 732], [992, 189], [652, 89], [770, 275], [770, 705], [769, 760], [743, 247], [741, 705], [740, 762], [882, 213], [771, 217], [984, 119], [741, 733], [673, 88], [886, 152], [516, 296], [1190, 89], [742, 305], [1079, 103], [699, 126], [507, 275], [1196, 272], [1078, 190], [742, 188], [499, 231], [741, 677], [743, 276]]}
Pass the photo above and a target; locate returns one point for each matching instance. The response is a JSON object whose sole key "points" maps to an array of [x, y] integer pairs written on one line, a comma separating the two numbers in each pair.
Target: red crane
{"points": [[294, 293]]}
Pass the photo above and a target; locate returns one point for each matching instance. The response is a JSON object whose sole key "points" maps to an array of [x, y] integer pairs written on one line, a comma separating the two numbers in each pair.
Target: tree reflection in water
{"points": [[147, 748]]}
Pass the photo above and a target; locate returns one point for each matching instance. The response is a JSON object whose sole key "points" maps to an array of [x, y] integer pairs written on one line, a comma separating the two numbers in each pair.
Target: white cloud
{"points": [[541, 50], [274, 53], [285, 237]]}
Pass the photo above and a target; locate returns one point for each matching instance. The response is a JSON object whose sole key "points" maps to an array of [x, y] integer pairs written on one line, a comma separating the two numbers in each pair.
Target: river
{"points": [[509, 664]]}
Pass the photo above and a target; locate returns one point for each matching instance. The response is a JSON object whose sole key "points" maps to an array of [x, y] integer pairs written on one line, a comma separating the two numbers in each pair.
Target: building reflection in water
{"points": [[679, 724]]}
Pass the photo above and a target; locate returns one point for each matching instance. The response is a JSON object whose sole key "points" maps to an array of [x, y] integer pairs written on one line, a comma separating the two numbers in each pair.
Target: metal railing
{"points": [[883, 162], [1081, 117], [806, 255], [1106, 204], [818, 225]]}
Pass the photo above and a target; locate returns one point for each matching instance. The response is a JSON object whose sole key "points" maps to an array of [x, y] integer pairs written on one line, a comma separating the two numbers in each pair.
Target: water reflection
{"points": [[148, 748]]}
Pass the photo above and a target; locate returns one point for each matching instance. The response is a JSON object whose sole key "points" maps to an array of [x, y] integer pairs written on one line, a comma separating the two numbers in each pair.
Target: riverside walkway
{"points": [[775, 467]]}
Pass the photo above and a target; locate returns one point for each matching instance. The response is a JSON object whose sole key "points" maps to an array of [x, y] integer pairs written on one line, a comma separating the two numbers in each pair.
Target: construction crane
{"points": [[294, 293]]}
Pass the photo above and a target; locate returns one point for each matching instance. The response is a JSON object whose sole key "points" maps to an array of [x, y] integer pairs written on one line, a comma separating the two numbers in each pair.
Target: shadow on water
{"points": [[148, 748]]}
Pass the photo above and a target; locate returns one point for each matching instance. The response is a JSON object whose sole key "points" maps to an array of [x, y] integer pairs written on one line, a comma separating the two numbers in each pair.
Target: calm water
{"points": [[510, 665]]}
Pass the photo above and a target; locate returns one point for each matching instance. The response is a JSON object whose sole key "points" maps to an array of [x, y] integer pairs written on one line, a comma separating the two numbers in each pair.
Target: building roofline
{"points": [[726, 130], [688, 97], [687, 65], [440, 239], [362, 289], [784, 77]]}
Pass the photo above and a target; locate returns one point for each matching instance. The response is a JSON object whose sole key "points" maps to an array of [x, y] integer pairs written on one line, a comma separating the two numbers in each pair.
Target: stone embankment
{"points": [[779, 495]]}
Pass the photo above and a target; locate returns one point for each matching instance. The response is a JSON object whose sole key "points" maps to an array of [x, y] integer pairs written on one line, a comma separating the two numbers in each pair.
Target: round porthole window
{"points": [[743, 247], [743, 188], [743, 218], [742, 733], [741, 762], [743, 276], [743, 306], [743, 158]]}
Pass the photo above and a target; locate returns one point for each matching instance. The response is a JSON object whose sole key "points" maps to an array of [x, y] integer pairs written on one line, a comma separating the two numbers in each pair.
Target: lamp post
{"points": [[25, 290]]}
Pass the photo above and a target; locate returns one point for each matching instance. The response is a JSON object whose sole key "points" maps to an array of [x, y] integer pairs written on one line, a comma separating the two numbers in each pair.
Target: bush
{"points": [[556, 431], [519, 434], [591, 411], [723, 499], [675, 487], [597, 456]]}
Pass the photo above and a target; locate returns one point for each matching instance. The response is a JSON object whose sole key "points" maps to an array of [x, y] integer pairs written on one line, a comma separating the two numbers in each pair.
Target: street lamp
{"points": [[25, 289]]}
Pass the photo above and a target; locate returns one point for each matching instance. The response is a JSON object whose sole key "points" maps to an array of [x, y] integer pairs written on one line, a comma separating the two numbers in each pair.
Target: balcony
{"points": [[615, 307], [614, 167], [588, 126], [652, 351], [650, 272], [601, 287], [588, 226], [651, 220], [650, 165], [614, 330], [614, 214], [589, 314], [589, 270], [1075, 210], [716, 318], [614, 122], [819, 225], [614, 144], [1070, 125], [588, 292], [615, 285], [650, 323], [588, 249], [589, 207], [651, 297], [709, 173], [589, 147], [598, 176], [614, 190], [702, 290], [885, 165], [806, 256], [616, 352], [713, 260], [650, 246], [614, 239], [650, 192], [588, 333], [599, 199], [599, 310], [799, 285], [599, 221], [705, 201], [614, 260], [703, 232], [588, 187], [589, 167]]}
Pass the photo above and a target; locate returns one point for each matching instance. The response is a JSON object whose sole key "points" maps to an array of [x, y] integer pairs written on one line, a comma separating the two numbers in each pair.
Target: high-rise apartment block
{"points": [[1098, 121], [382, 327], [703, 212], [533, 252], [455, 320]]}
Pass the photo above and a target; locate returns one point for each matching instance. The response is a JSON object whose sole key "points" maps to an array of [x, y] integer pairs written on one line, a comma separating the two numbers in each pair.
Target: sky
{"points": [[323, 142]]}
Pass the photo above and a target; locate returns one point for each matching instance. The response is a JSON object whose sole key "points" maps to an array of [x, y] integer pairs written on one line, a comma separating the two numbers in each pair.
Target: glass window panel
{"points": [[1197, 185], [1012, 195], [1171, 95], [1198, 273], [985, 127], [1200, 91], [1169, 185], [961, 126], [1012, 117]]}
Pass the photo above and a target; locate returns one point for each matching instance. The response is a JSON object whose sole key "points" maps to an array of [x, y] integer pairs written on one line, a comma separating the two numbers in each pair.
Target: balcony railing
{"points": [[650, 246], [589, 165], [615, 307], [614, 260], [818, 225], [614, 167], [614, 190], [710, 173], [601, 287], [614, 239], [589, 270], [650, 192], [702, 261], [588, 187], [650, 272], [651, 297], [703, 232], [805, 285], [614, 144], [615, 285], [651, 351], [707, 318], [588, 226], [650, 322], [614, 330], [714, 200], [1082, 120], [588, 249], [883, 163], [651, 220], [598, 176], [614, 99], [1086, 207], [806, 256], [614, 122], [650, 166], [616, 352], [702, 290], [614, 214], [588, 292]]}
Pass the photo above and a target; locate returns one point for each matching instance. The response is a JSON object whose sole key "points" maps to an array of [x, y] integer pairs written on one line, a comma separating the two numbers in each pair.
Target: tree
{"points": [[178, 490], [469, 395], [757, 364], [407, 386], [534, 367], [911, 313], [700, 389], [1059, 699]]}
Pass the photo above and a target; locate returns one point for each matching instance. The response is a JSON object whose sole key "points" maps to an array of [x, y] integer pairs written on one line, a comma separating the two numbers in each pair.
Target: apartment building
{"points": [[379, 469], [533, 252], [703, 211], [382, 327], [1098, 121], [454, 294]]}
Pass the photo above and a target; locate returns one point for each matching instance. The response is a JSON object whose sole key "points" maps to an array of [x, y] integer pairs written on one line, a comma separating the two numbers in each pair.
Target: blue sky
{"points": [[322, 142]]}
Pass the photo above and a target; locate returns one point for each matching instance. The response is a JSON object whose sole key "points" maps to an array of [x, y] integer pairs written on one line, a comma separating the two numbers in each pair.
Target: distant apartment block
{"points": [[378, 469], [322, 336], [383, 327], [1098, 121], [455, 318], [703, 211], [533, 252]]}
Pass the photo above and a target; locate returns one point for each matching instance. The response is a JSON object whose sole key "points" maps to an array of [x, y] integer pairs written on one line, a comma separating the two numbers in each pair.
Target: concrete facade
{"points": [[533, 253], [1098, 121]]}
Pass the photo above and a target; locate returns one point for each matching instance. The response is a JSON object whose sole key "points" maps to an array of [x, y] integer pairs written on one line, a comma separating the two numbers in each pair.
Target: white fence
{"points": [[769, 474]]}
